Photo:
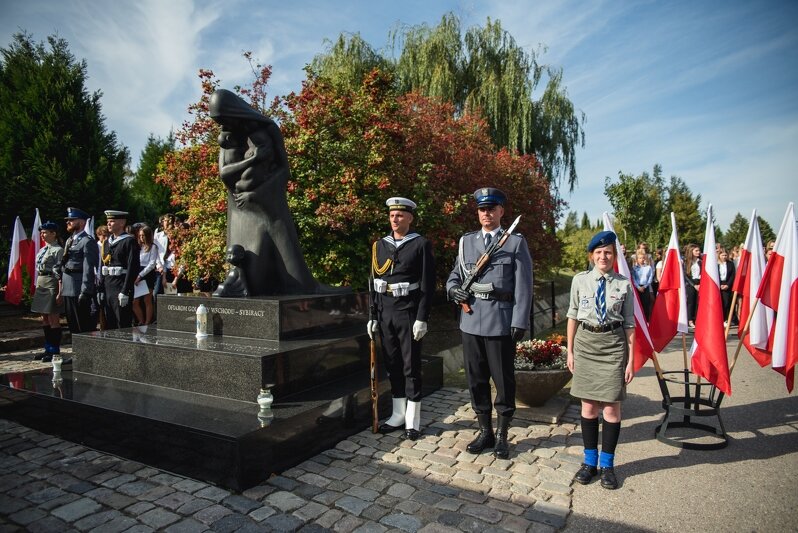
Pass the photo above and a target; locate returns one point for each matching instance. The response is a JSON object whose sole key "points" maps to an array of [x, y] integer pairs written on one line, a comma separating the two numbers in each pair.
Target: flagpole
{"points": [[731, 314], [742, 335]]}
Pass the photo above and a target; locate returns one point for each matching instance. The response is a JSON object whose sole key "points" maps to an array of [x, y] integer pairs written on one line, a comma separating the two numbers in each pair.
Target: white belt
{"points": [[113, 271], [394, 289]]}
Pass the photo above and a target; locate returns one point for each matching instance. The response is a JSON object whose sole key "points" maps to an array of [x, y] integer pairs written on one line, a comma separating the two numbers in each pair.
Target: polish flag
{"points": [[746, 284], [36, 244], [19, 249], [669, 315], [642, 345], [709, 358], [779, 291]]}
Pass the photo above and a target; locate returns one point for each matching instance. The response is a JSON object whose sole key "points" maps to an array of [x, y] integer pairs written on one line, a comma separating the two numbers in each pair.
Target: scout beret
{"points": [[602, 238], [112, 214], [74, 212], [487, 196], [48, 226], [397, 203]]}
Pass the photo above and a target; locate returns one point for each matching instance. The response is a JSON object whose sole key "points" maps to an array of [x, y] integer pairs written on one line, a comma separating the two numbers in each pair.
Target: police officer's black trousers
{"points": [[79, 315], [402, 354], [486, 357]]}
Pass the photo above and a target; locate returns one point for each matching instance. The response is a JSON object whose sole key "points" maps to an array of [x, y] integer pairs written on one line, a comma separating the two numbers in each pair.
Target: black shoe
{"points": [[67, 361], [40, 356], [412, 434], [585, 474], [48, 358], [485, 437], [387, 428], [608, 480]]}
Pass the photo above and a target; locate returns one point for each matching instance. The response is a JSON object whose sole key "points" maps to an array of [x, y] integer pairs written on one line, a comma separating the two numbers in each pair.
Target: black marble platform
{"points": [[228, 367], [219, 440], [271, 318]]}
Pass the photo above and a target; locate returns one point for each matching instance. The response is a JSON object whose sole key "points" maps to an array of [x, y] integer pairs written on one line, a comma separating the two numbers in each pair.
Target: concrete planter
{"points": [[535, 387]]}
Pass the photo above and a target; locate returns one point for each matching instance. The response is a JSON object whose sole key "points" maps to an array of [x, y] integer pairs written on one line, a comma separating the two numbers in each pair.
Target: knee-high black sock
{"points": [[56, 342], [609, 436], [590, 430], [48, 341]]}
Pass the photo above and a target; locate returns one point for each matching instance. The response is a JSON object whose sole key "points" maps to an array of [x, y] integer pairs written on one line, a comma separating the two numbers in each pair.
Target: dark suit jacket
{"points": [[730, 273]]}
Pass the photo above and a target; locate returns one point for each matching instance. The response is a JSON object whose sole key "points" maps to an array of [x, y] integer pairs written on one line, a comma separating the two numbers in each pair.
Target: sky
{"points": [[705, 89]]}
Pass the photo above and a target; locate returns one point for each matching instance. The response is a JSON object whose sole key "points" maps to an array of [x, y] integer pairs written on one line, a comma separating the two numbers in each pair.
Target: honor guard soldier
{"points": [[500, 301], [77, 273], [403, 273], [601, 327], [119, 270]]}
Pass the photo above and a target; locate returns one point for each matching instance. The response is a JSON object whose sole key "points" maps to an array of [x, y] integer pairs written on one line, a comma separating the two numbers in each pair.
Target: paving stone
{"points": [[283, 483], [76, 510], [186, 525], [283, 522], [48, 524], [215, 494], [160, 491], [328, 519], [351, 505], [449, 504], [159, 518], [58, 502], [285, 501], [240, 504], [363, 493], [401, 490], [189, 485], [97, 519], [26, 516], [262, 513], [136, 488], [347, 524], [139, 508], [407, 506], [327, 497], [235, 522], [313, 528], [335, 472], [439, 528], [41, 496], [402, 521], [174, 500], [370, 527], [482, 512], [192, 506], [347, 446], [426, 497], [311, 511], [374, 512], [314, 479], [556, 488], [212, 513]]}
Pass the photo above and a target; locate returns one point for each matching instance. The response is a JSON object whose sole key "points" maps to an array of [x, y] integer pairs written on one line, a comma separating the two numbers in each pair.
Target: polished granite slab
{"points": [[228, 367], [219, 440], [271, 318]]}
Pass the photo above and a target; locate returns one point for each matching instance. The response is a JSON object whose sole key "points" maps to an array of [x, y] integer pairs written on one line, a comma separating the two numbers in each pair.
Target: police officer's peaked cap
{"points": [[112, 214], [488, 196], [74, 212], [48, 226], [600, 239], [397, 203]]}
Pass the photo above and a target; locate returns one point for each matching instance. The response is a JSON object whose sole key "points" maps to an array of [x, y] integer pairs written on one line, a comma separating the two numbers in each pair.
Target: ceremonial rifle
{"points": [[484, 259], [375, 395]]}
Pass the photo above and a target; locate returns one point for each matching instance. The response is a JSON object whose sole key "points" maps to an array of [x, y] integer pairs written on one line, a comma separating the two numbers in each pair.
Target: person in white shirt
{"points": [[162, 240], [150, 261]]}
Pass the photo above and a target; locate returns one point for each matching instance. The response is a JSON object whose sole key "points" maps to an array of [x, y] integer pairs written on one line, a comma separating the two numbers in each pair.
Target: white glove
{"points": [[371, 328], [419, 329], [124, 299]]}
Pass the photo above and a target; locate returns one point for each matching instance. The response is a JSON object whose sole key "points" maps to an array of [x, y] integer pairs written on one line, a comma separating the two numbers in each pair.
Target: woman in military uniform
{"points": [[47, 299], [600, 338]]}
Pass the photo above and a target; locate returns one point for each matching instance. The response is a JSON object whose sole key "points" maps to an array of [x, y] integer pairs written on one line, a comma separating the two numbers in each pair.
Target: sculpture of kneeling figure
{"points": [[235, 283]]}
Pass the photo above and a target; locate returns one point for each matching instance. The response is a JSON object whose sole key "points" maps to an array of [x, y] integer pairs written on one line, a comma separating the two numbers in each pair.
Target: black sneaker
{"points": [[585, 474], [608, 480]]}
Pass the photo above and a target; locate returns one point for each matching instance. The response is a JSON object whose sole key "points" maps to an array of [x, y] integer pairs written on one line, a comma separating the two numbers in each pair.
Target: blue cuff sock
{"points": [[607, 460], [591, 457]]}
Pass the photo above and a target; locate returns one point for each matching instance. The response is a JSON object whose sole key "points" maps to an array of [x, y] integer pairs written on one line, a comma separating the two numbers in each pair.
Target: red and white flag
{"points": [[746, 283], [669, 315], [36, 244], [779, 291], [19, 249], [642, 345], [709, 358]]}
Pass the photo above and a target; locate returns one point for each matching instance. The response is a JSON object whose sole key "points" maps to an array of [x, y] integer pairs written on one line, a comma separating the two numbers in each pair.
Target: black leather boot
{"points": [[485, 438], [502, 448]]}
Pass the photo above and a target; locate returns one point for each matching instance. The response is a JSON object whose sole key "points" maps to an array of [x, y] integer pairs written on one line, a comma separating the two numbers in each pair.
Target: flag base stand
{"points": [[692, 405]]}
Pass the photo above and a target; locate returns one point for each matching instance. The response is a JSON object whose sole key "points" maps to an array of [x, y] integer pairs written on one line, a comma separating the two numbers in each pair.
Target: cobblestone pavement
{"points": [[366, 483]]}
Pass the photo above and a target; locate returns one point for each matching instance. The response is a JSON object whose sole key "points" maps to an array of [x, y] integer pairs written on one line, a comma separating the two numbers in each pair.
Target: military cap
{"points": [[74, 212], [602, 238], [112, 214], [397, 203], [48, 226], [487, 196]]}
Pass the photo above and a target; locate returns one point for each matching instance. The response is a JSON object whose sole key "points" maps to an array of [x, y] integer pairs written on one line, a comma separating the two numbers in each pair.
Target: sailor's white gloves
{"points": [[419, 329], [371, 328], [124, 299]]}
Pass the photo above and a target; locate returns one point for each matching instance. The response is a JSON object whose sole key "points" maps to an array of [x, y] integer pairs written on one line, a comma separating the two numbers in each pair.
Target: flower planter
{"points": [[535, 387]]}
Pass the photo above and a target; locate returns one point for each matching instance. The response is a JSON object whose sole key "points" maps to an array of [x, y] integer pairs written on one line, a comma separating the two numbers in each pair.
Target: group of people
{"points": [[495, 313], [110, 279]]}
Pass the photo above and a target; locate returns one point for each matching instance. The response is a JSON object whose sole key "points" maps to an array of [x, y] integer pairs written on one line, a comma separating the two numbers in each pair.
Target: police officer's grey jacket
{"points": [[79, 268]]}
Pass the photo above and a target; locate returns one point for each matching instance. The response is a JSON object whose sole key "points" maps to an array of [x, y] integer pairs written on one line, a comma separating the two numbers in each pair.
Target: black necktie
{"points": [[487, 240]]}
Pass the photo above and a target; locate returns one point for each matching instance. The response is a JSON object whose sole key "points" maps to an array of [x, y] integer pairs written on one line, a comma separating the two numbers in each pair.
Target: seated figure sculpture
{"points": [[235, 283], [253, 165]]}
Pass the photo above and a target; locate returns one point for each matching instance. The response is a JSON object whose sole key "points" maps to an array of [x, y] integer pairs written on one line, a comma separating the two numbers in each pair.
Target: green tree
{"points": [[574, 248], [690, 220], [54, 148], [571, 224], [150, 198], [483, 71], [766, 230], [637, 202], [737, 232], [585, 222]]}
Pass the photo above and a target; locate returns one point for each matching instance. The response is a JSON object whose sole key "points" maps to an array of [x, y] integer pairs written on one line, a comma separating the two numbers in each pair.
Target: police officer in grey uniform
{"points": [[500, 305], [77, 273]]}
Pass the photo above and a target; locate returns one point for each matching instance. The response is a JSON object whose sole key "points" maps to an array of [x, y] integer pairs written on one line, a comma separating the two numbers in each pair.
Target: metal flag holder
{"points": [[693, 404]]}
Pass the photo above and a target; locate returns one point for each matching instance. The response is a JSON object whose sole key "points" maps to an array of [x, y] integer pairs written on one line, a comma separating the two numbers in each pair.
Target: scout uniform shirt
{"points": [[619, 299]]}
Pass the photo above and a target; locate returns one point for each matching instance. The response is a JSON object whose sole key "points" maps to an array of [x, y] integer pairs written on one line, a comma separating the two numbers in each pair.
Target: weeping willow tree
{"points": [[482, 71]]}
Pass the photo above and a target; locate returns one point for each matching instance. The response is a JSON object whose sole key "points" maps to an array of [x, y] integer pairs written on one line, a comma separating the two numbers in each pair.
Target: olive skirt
{"points": [[44, 298], [599, 363]]}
